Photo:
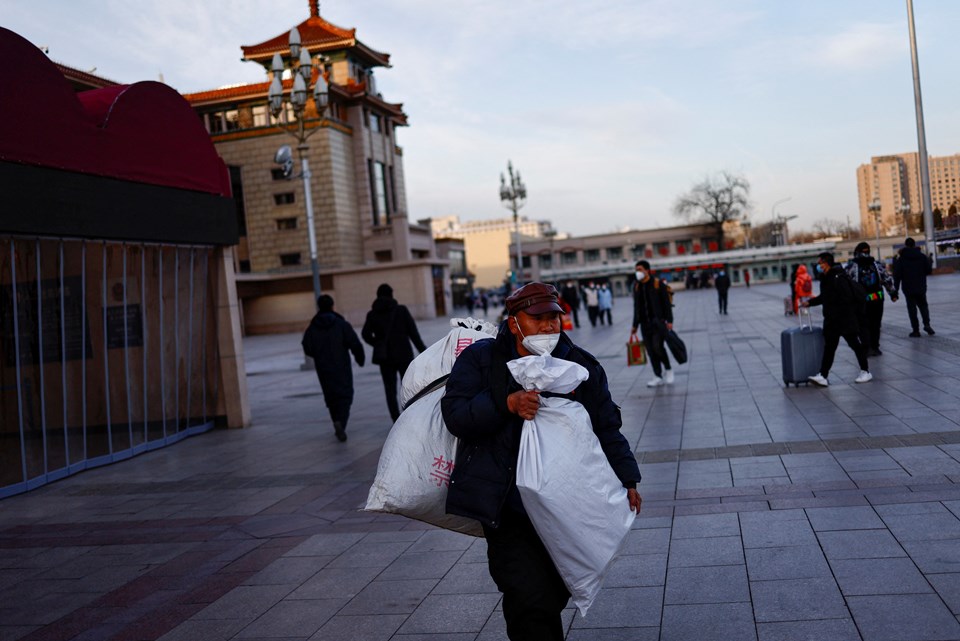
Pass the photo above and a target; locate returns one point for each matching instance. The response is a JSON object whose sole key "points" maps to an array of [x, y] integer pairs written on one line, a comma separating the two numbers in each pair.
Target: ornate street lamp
{"points": [[905, 214], [874, 207], [301, 65], [513, 195]]}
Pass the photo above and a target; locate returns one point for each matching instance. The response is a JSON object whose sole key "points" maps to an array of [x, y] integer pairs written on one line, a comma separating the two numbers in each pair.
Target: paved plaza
{"points": [[769, 513]]}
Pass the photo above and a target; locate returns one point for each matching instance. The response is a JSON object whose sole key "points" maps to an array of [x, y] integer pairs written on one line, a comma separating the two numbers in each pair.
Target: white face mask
{"points": [[640, 274], [541, 344]]}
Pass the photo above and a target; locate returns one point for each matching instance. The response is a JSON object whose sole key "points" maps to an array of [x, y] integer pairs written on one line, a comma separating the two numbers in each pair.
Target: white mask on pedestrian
{"points": [[539, 344], [640, 274]]}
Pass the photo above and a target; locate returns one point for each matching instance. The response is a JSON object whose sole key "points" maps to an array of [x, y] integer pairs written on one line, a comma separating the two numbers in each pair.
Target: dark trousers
{"points": [[576, 316], [592, 312], [533, 592], [831, 340], [389, 373], [653, 336], [915, 301], [608, 314], [722, 299], [338, 402], [870, 324]]}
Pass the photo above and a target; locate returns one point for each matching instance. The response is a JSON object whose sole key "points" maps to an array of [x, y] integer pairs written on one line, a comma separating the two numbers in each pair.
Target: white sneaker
{"points": [[668, 377], [656, 381], [816, 379], [864, 377]]}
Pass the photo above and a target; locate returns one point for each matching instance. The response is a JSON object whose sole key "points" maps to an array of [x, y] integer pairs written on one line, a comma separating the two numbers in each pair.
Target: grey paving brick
{"points": [[650, 541], [711, 622], [934, 556], [797, 600], [623, 607], [637, 570], [326, 544], [860, 544], [822, 630], [344, 582], [244, 601], [367, 627], [450, 613], [726, 550], [878, 576], [421, 565], [686, 527], [370, 555], [389, 597], [719, 584], [207, 629], [466, 578], [295, 619], [924, 527], [948, 587], [612, 634], [759, 532], [793, 562], [843, 518], [903, 617], [896, 509]]}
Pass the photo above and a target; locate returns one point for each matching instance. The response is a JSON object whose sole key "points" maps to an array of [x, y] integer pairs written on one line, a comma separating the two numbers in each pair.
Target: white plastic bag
{"points": [[573, 497], [438, 359], [415, 466]]}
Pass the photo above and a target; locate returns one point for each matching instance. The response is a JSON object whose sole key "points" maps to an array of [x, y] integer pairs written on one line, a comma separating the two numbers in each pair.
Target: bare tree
{"points": [[714, 201], [826, 227]]}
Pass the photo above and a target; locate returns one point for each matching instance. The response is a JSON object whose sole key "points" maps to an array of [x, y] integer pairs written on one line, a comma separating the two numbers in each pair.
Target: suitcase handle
{"points": [[804, 311]]}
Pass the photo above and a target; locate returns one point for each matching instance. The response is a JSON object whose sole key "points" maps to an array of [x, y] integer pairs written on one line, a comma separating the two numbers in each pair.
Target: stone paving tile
{"points": [[797, 600], [720, 584], [822, 630], [934, 556], [366, 627], [467, 578], [903, 617], [244, 601], [860, 544], [612, 634], [295, 619], [924, 527], [948, 587], [843, 518], [685, 527], [389, 597], [793, 562], [710, 622], [725, 550], [623, 607], [638, 570], [857, 577], [433, 615], [207, 629], [776, 529]]}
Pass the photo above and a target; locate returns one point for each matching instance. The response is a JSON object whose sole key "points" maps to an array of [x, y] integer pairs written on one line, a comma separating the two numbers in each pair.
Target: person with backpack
{"points": [[912, 269], [802, 286], [390, 328], [873, 276], [653, 314], [843, 301]]}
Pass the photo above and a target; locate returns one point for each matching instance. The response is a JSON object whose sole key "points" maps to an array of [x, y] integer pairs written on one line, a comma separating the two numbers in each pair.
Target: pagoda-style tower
{"points": [[357, 184]]}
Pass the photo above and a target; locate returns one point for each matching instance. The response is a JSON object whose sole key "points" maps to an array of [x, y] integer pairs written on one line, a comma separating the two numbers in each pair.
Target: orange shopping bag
{"points": [[567, 324], [636, 354]]}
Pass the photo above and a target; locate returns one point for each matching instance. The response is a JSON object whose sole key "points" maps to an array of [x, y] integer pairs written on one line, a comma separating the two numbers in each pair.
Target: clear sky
{"points": [[610, 109]]}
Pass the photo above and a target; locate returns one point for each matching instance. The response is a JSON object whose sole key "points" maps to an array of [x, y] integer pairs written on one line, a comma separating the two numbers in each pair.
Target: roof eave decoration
{"points": [[317, 35]]}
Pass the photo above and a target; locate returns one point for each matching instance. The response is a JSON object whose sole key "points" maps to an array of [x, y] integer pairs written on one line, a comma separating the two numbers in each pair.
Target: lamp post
{"points": [[778, 223], [551, 234], [301, 66], [746, 233], [905, 214], [513, 195], [874, 207]]}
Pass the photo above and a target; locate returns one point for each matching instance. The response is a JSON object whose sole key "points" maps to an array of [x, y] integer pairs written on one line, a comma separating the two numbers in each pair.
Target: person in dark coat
{"points": [[874, 277], [841, 309], [912, 269], [329, 341], [390, 328], [653, 315], [485, 408], [722, 283], [572, 298]]}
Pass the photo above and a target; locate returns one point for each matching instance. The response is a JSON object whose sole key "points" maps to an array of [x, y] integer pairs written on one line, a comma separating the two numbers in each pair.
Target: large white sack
{"points": [[573, 497], [437, 361], [415, 466]]}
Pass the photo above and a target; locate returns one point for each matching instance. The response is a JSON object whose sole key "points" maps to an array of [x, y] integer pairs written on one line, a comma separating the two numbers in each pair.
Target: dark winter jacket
{"points": [[570, 295], [475, 410], [329, 340], [872, 274], [840, 305], [389, 328], [651, 303], [722, 282], [911, 269]]}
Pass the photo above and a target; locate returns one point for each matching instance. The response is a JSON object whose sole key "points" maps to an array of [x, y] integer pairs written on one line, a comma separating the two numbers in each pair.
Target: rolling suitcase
{"points": [[801, 350]]}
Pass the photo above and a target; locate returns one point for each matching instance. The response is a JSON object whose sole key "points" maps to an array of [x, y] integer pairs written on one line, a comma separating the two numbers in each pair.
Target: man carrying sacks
{"points": [[485, 408]]}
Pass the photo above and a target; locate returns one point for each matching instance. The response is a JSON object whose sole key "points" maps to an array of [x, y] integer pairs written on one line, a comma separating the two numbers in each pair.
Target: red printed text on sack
{"points": [[442, 469]]}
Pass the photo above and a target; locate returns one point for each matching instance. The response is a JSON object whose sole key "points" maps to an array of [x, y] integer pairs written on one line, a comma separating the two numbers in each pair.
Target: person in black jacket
{"points": [[841, 309], [390, 328], [329, 340], [874, 278], [653, 314], [485, 408], [722, 283], [572, 298], [912, 269]]}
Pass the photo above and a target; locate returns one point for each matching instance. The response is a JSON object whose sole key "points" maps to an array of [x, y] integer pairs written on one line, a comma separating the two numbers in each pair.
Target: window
{"points": [[568, 258], [286, 223], [546, 261], [244, 266], [661, 249], [232, 119], [290, 259], [260, 116], [614, 253], [591, 255], [277, 174], [286, 198], [639, 251], [393, 190], [383, 255], [215, 122], [236, 186], [375, 125], [378, 192]]}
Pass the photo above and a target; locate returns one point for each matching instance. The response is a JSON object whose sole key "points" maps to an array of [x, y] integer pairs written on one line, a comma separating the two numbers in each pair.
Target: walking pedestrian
{"points": [[572, 298], [390, 328], [841, 307], [722, 283], [484, 303], [911, 269], [329, 340], [653, 315], [605, 304], [874, 278], [485, 409], [746, 277], [802, 286], [593, 303]]}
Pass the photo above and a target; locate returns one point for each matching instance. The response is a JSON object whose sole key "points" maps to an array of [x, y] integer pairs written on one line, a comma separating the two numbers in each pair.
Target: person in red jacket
{"points": [[802, 287]]}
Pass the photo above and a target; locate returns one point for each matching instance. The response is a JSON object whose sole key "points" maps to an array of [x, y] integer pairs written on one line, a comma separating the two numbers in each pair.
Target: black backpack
{"points": [[868, 278]]}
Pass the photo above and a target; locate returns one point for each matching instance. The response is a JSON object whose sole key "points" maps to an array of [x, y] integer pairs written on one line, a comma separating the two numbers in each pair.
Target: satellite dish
{"points": [[284, 158]]}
